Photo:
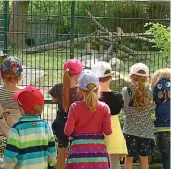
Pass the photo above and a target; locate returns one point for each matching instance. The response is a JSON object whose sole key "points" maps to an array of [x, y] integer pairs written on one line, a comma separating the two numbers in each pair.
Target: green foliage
{"points": [[110, 14], [160, 37]]}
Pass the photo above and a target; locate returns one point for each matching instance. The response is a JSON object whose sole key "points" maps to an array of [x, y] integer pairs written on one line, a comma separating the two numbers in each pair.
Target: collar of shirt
{"points": [[29, 118]]}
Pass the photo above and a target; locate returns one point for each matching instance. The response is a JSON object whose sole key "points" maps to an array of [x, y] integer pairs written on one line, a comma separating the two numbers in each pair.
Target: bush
{"points": [[160, 37]]}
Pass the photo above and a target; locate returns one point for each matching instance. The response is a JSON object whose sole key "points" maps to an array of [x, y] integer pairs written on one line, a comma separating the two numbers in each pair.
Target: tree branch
{"points": [[98, 24]]}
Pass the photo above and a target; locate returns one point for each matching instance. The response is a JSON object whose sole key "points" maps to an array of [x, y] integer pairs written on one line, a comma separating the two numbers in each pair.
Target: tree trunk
{"points": [[17, 28]]}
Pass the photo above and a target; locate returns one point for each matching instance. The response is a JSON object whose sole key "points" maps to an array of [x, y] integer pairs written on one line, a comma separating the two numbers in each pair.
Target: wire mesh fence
{"points": [[44, 34]]}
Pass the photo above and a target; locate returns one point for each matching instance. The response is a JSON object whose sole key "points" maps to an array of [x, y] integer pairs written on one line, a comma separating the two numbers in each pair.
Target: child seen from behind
{"points": [[31, 144], [115, 143], [11, 73], [138, 126], [64, 94], [87, 121]]}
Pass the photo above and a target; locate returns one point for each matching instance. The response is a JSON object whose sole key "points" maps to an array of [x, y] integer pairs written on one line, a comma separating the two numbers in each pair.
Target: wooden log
{"points": [[62, 44]]}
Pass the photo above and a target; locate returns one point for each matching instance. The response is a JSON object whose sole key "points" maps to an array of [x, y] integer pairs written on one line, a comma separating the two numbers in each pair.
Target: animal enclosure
{"points": [[44, 34]]}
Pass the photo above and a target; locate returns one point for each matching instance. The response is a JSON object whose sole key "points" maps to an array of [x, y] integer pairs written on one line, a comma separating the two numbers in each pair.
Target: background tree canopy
{"points": [[110, 13]]}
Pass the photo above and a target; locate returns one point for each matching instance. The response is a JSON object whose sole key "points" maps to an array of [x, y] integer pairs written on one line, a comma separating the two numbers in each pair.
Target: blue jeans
{"points": [[163, 140]]}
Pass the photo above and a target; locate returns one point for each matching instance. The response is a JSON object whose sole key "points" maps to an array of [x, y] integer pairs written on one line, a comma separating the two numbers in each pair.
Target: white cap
{"points": [[102, 69], [137, 67]]}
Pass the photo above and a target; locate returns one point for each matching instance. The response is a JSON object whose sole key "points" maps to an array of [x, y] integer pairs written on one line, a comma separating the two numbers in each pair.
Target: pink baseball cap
{"points": [[75, 66], [137, 67], [28, 98]]}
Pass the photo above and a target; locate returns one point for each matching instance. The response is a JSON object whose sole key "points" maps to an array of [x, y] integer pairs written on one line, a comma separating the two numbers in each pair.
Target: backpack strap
{"points": [[131, 96]]}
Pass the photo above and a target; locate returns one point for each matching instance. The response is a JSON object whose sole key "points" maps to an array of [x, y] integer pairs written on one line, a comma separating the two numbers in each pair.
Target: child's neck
{"points": [[104, 88], [12, 86], [73, 83]]}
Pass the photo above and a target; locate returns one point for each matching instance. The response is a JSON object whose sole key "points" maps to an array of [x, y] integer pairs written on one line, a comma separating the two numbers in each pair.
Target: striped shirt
{"points": [[30, 145], [6, 99]]}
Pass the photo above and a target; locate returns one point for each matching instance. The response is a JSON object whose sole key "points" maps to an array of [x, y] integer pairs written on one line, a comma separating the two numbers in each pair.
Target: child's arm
{"points": [[12, 149], [107, 121], [126, 97], [51, 150], [70, 124]]}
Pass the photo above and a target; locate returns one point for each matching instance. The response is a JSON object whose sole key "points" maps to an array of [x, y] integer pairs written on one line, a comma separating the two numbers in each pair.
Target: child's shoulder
{"points": [[103, 105], [125, 90], [58, 86], [110, 96], [116, 94], [77, 103], [6, 93]]}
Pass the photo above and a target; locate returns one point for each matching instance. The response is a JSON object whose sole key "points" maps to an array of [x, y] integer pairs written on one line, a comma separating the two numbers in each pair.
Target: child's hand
{"points": [[70, 138]]}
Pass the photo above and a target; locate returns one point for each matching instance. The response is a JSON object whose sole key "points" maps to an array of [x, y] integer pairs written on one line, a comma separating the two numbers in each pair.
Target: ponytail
{"points": [[91, 97], [66, 99], [141, 94]]}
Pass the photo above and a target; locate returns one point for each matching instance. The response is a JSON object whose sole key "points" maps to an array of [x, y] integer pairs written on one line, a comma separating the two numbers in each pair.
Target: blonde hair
{"points": [[66, 95], [90, 96], [158, 75], [11, 77], [141, 94]]}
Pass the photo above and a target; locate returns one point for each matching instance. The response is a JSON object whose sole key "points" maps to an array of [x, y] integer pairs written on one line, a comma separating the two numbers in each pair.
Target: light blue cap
{"points": [[86, 78]]}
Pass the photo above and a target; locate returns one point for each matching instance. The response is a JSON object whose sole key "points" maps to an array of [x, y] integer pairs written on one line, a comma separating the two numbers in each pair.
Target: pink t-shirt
{"points": [[82, 120]]}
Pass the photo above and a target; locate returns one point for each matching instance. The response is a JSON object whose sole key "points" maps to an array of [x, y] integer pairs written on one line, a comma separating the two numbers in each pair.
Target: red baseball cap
{"points": [[74, 65], [28, 98]]}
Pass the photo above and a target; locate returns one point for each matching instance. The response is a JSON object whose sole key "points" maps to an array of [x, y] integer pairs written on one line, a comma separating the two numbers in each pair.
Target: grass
{"points": [[52, 63]]}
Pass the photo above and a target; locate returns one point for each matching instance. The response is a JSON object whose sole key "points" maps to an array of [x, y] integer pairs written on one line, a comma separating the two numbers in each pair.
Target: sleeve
{"points": [[121, 100], [117, 104], [52, 153], [54, 126], [107, 121], [126, 97], [70, 124], [12, 149]]}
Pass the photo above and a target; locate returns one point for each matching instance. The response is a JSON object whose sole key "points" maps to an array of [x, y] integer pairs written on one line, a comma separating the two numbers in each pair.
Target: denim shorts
{"points": [[138, 146]]}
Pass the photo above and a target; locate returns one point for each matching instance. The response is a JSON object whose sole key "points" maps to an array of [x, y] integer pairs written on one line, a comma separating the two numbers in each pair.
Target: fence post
{"points": [[6, 5], [72, 32]]}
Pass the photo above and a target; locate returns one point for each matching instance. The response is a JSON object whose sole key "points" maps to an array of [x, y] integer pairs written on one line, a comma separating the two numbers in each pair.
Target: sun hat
{"points": [[134, 70], [28, 98], [86, 78], [102, 69], [11, 64], [75, 66]]}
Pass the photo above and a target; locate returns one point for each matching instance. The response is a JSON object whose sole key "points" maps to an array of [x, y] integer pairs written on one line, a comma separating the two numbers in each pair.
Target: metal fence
{"points": [[44, 34]]}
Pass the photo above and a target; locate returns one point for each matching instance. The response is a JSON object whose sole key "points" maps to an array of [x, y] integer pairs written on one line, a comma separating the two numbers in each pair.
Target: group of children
{"points": [[87, 122]]}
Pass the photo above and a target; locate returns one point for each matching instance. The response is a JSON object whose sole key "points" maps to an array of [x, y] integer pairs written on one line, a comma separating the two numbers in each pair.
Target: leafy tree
{"points": [[160, 37]]}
